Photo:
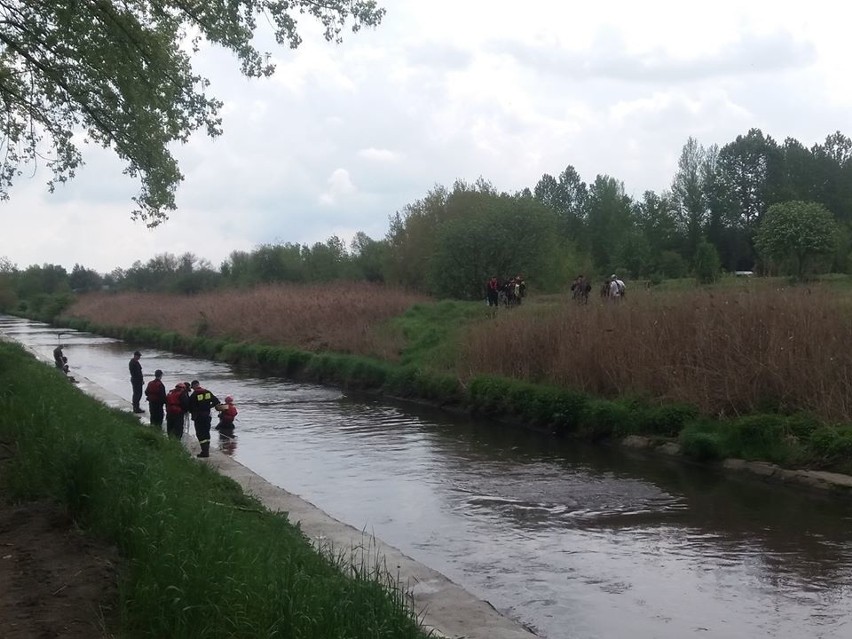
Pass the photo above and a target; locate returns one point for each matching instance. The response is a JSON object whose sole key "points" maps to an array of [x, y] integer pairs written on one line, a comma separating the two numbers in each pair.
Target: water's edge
{"points": [[444, 608]]}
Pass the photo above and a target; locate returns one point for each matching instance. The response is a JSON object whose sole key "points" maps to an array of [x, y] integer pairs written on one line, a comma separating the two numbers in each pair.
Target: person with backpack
{"points": [[155, 394], [177, 405], [616, 288]]}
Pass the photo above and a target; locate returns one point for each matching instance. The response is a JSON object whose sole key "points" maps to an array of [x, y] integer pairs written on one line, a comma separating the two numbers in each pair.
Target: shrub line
{"points": [[798, 440]]}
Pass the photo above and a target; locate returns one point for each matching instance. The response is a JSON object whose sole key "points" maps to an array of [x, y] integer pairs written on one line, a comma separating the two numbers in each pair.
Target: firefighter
{"points": [[201, 402]]}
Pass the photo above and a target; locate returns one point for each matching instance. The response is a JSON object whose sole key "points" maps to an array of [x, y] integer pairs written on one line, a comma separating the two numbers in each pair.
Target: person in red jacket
{"points": [[177, 405], [155, 393], [227, 413]]}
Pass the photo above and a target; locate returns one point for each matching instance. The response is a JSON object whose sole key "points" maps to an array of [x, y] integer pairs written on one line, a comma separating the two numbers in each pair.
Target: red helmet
{"points": [[229, 399]]}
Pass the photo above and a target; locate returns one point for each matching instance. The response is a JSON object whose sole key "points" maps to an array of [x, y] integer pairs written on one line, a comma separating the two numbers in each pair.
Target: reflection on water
{"points": [[573, 541]]}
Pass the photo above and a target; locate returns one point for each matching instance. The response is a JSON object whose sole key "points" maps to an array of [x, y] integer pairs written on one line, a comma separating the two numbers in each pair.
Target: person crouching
{"points": [[227, 413]]}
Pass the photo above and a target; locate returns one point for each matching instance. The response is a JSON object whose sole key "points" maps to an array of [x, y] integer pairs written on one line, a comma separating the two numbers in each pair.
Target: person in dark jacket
{"points": [[136, 381], [59, 358], [201, 402], [177, 405], [155, 393]]}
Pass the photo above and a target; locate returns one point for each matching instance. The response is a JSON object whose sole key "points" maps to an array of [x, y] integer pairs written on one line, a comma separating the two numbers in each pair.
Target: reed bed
{"points": [[340, 317], [726, 352]]}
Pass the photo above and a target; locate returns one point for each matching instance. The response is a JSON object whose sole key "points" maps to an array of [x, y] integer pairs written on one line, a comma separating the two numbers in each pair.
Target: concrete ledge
{"points": [[821, 479]]}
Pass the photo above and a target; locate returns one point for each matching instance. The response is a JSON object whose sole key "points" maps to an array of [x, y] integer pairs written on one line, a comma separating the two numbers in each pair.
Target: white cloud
{"points": [[379, 155], [437, 93], [339, 187]]}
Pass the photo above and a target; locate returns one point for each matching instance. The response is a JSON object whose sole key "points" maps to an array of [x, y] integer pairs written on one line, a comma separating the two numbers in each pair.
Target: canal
{"points": [[573, 541]]}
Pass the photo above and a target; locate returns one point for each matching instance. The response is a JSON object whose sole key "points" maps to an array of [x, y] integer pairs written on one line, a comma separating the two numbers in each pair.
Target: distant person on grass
{"points": [[136, 381], [201, 402], [155, 393]]}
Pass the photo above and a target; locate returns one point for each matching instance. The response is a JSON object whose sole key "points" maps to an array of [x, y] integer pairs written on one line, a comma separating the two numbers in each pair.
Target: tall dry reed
{"points": [[340, 317], [726, 352]]}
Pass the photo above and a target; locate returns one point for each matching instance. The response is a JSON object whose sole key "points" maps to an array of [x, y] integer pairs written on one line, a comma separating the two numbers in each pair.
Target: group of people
{"points": [[612, 289], [505, 292], [186, 398]]}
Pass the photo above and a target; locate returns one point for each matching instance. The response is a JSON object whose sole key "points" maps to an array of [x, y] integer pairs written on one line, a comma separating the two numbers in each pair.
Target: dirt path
{"points": [[54, 580]]}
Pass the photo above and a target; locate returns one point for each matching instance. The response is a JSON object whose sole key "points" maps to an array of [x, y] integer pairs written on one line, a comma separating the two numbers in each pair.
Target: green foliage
{"points": [[798, 230], [706, 263], [671, 265], [601, 419], [668, 420], [123, 74], [702, 442], [432, 331]]}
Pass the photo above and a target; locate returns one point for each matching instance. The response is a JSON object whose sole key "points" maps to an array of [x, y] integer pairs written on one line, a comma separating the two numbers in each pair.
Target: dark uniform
{"points": [[201, 402], [136, 381]]}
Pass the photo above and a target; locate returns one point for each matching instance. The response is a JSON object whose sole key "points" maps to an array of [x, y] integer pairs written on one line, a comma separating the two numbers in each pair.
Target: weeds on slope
{"points": [[203, 558]]}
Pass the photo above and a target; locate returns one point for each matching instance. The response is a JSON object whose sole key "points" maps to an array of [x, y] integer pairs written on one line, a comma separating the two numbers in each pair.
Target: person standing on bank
{"points": [[155, 393], [136, 381], [201, 402], [177, 405]]}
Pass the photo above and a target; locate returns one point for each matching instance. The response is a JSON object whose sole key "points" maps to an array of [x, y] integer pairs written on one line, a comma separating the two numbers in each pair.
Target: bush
{"points": [[702, 442], [666, 421], [763, 437], [601, 419]]}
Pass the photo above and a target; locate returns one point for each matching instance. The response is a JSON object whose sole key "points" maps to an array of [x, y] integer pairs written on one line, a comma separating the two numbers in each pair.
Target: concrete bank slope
{"points": [[820, 479], [444, 608]]}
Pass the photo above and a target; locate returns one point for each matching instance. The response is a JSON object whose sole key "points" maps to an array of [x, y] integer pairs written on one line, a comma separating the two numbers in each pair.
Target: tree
{"points": [[609, 220], [801, 230], [706, 263], [688, 192], [120, 72]]}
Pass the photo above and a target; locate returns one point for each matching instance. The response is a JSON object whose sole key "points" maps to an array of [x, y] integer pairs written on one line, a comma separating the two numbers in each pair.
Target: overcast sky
{"points": [[344, 136]]}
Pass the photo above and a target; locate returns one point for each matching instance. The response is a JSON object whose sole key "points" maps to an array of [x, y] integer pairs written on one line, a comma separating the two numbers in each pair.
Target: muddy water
{"points": [[572, 541]]}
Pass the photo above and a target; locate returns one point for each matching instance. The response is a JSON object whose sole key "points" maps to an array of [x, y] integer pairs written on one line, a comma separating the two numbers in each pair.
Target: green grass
{"points": [[432, 332], [202, 558]]}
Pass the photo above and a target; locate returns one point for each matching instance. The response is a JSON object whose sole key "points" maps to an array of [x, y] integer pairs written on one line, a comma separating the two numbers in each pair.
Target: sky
{"points": [[343, 136]]}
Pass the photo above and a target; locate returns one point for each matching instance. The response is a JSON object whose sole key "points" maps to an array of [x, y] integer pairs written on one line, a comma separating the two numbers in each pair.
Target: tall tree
{"points": [[568, 196], [798, 230], [750, 172], [688, 192], [610, 218], [119, 70]]}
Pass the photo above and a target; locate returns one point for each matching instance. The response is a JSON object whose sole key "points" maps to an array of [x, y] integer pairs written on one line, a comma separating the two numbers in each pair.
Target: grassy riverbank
{"points": [[201, 558], [750, 369]]}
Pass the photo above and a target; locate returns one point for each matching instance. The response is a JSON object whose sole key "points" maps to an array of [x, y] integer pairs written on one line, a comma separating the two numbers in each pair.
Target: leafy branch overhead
{"points": [[121, 72]]}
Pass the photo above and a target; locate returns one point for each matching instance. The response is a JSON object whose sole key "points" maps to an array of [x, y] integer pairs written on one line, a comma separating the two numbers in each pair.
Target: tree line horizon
{"points": [[448, 243]]}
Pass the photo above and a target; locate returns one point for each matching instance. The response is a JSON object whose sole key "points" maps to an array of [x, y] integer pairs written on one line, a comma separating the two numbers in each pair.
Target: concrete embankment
{"points": [[819, 479], [445, 608]]}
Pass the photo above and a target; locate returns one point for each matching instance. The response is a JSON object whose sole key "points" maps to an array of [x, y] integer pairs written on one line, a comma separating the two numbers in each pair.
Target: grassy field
{"points": [[203, 559]]}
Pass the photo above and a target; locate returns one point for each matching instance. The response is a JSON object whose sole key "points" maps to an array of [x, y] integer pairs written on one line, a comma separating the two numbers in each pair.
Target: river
{"points": [[574, 541]]}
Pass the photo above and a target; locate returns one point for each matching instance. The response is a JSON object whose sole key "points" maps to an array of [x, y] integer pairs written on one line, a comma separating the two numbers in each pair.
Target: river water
{"points": [[573, 541]]}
